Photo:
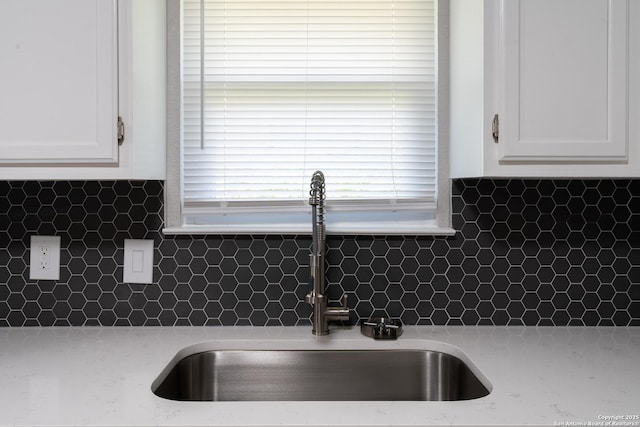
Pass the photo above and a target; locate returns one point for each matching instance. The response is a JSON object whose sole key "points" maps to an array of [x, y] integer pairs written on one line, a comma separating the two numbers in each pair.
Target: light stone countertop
{"points": [[102, 377]]}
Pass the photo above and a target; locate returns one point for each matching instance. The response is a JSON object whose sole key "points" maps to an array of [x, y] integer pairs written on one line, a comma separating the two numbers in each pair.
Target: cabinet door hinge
{"points": [[120, 131], [495, 128]]}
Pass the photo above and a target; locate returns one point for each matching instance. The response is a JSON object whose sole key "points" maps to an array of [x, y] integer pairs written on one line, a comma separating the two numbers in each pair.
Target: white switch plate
{"points": [[44, 259], [138, 261]]}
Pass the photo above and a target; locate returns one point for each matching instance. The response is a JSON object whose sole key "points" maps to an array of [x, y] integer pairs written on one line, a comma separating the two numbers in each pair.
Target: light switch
{"points": [[138, 261]]}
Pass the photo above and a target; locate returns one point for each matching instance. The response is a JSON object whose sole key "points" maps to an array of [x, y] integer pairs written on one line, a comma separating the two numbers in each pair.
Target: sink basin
{"points": [[319, 375]]}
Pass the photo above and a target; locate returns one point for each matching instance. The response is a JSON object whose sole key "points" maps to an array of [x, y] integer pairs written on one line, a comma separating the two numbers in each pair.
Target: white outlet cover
{"points": [[52, 245], [138, 261]]}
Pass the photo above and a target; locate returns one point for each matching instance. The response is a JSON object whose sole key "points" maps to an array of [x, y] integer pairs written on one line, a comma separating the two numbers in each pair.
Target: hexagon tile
{"points": [[528, 252]]}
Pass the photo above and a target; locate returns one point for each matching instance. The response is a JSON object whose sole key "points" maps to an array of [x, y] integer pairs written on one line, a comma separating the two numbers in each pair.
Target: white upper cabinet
{"points": [[69, 69], [559, 77], [565, 81], [59, 81]]}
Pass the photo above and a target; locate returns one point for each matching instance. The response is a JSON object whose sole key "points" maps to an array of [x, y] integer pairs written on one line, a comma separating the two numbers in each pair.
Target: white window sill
{"points": [[371, 230], [414, 222]]}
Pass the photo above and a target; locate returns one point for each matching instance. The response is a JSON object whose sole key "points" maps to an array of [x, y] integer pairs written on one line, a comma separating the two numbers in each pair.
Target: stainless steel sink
{"points": [[319, 375]]}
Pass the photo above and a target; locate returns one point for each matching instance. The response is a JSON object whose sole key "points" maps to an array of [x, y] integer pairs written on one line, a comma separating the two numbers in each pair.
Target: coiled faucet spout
{"points": [[316, 296], [316, 200], [317, 189]]}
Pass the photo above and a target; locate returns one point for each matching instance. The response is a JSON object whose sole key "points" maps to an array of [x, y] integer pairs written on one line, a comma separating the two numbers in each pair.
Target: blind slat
{"points": [[290, 87]]}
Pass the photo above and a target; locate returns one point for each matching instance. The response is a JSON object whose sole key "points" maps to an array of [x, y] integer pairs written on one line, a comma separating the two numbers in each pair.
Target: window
{"points": [[265, 92]]}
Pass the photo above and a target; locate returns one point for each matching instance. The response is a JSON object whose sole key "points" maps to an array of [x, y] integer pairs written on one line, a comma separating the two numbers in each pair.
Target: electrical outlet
{"points": [[44, 260]]}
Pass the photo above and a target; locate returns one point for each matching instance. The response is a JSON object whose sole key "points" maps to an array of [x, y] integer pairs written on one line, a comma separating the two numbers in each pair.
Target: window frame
{"points": [[387, 221]]}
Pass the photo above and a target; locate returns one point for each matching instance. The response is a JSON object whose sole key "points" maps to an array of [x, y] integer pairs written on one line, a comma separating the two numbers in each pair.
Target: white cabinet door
{"points": [[564, 81], [58, 82]]}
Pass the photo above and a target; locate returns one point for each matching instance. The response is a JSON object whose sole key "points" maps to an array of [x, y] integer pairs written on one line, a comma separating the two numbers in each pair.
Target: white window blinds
{"points": [[273, 90]]}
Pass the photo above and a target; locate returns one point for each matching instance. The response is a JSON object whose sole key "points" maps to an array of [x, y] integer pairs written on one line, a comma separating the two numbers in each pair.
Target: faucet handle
{"points": [[341, 313], [344, 302]]}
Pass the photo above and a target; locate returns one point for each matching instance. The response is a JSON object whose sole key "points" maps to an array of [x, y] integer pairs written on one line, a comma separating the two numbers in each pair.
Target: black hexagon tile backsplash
{"points": [[527, 252]]}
